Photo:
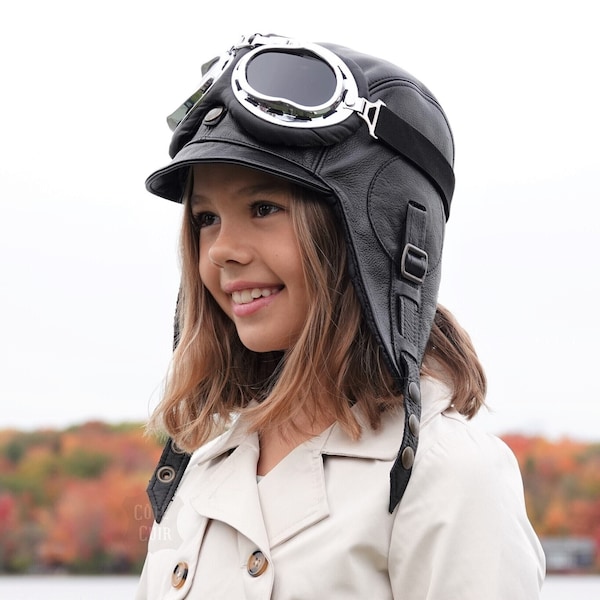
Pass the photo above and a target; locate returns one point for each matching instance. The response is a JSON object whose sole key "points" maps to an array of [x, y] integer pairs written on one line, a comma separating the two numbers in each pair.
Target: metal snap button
{"points": [[179, 575], [408, 457], [414, 392], [413, 424], [176, 449], [214, 115], [257, 564], [165, 474]]}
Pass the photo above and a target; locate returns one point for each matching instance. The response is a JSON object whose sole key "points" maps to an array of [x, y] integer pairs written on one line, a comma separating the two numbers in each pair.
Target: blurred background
{"points": [[89, 268]]}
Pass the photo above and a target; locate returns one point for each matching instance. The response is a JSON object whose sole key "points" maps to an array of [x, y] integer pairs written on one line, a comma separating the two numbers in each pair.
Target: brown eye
{"points": [[264, 209], [202, 220]]}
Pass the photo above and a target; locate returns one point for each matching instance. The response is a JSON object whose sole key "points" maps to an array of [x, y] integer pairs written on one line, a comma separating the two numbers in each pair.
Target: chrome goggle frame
{"points": [[211, 72], [284, 111], [344, 101]]}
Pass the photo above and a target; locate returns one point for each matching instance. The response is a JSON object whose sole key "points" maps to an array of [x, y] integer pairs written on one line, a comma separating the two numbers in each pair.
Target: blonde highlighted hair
{"points": [[335, 364]]}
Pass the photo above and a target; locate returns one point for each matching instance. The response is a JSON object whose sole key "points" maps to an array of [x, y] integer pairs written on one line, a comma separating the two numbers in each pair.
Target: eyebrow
{"points": [[250, 190]]}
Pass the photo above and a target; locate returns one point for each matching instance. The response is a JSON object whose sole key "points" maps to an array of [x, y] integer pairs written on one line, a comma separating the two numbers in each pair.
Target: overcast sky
{"points": [[89, 270]]}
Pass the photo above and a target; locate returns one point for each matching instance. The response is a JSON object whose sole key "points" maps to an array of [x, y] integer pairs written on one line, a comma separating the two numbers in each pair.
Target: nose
{"points": [[229, 246]]}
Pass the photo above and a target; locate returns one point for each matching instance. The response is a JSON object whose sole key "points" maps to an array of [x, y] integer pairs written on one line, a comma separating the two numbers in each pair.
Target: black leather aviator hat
{"points": [[377, 144]]}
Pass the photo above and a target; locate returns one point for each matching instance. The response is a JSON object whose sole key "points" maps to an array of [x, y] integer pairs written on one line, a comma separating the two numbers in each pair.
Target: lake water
{"points": [[58, 587], [123, 588]]}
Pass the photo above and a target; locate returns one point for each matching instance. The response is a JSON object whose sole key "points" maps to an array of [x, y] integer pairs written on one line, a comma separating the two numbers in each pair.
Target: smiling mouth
{"points": [[249, 295]]}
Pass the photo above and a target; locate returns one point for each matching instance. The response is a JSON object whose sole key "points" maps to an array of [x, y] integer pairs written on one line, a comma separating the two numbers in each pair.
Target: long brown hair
{"points": [[334, 365]]}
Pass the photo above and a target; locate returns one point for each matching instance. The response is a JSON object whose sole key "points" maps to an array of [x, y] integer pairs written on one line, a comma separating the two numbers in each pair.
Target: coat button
{"points": [[257, 564], [179, 575]]}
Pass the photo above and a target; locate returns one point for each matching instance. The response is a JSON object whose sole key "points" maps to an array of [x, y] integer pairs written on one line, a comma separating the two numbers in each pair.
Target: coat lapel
{"points": [[293, 494], [230, 493]]}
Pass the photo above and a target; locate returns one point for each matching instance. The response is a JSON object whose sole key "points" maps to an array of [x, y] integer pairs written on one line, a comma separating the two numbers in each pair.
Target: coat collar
{"points": [[382, 444], [230, 492]]}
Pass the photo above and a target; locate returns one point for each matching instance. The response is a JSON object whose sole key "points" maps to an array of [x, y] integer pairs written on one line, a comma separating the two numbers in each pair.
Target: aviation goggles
{"points": [[301, 86]]}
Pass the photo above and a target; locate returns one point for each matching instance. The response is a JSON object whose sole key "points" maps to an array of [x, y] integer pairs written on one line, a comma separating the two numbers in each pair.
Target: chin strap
{"points": [[172, 463], [166, 478], [407, 295], [402, 468]]}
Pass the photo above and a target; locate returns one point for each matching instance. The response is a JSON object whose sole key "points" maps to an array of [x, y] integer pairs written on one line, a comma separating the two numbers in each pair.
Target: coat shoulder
{"points": [[457, 451], [462, 522]]}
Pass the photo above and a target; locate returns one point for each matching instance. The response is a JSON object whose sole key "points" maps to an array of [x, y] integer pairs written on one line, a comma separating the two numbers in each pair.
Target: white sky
{"points": [[88, 267]]}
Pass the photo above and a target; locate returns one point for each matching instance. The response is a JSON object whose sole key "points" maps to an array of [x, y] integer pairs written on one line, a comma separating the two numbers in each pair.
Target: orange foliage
{"points": [[80, 494], [93, 518], [76, 498], [562, 485]]}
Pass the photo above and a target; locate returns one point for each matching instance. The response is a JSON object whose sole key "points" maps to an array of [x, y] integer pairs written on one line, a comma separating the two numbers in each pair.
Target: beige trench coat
{"points": [[317, 526]]}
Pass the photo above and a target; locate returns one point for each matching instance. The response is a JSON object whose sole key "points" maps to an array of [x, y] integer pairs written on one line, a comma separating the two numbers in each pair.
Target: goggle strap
{"points": [[402, 137]]}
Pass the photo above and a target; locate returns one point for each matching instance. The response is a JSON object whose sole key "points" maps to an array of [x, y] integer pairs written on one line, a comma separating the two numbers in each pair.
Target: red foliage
{"points": [[562, 486], [80, 495], [76, 498]]}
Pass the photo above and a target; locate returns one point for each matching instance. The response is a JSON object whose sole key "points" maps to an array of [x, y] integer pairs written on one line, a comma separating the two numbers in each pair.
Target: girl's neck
{"points": [[276, 444]]}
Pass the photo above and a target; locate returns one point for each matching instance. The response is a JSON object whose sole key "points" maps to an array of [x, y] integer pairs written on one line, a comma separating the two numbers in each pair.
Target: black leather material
{"points": [[161, 489], [385, 202]]}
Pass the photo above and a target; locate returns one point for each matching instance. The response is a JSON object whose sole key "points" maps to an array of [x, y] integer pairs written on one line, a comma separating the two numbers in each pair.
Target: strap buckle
{"points": [[367, 111], [413, 264]]}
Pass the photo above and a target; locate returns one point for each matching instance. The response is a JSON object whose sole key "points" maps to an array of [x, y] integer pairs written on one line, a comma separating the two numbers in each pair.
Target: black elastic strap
{"points": [[413, 145]]}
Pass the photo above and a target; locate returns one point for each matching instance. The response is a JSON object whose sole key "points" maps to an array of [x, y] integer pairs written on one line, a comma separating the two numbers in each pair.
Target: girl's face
{"points": [[250, 259]]}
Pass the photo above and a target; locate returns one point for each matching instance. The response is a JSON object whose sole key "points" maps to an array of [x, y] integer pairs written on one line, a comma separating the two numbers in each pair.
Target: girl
{"points": [[318, 401]]}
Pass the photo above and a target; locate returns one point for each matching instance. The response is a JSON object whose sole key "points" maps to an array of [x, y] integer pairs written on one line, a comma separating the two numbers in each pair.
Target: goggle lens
{"points": [[300, 78]]}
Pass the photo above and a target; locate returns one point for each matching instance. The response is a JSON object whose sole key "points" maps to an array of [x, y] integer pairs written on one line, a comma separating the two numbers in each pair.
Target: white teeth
{"points": [[247, 296]]}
